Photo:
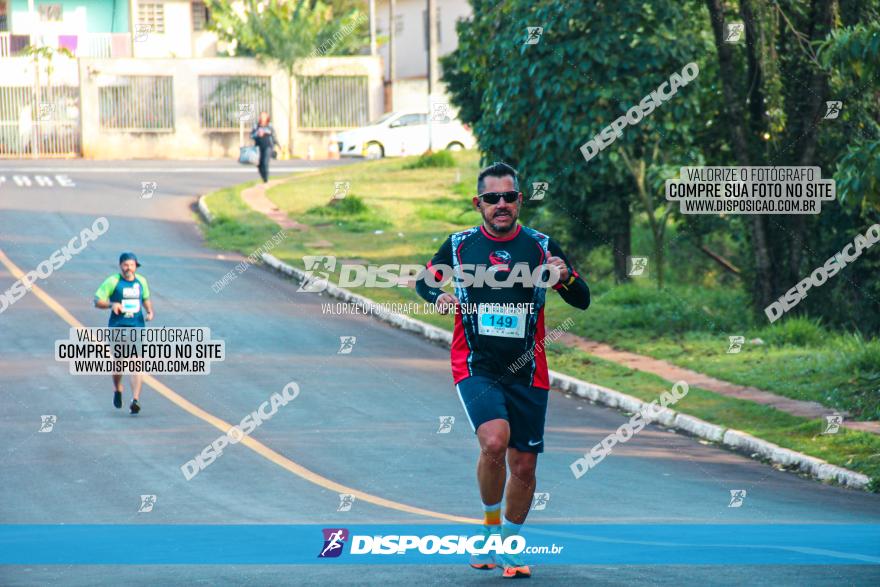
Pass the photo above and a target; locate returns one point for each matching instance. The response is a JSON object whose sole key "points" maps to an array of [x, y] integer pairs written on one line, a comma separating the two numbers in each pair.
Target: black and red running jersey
{"points": [[501, 285]]}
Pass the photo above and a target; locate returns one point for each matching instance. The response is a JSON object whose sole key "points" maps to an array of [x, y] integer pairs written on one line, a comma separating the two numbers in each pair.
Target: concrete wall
{"points": [[188, 140]]}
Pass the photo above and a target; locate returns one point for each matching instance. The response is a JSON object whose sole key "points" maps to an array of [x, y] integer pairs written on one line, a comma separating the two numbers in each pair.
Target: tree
{"points": [[286, 32], [775, 90], [534, 104]]}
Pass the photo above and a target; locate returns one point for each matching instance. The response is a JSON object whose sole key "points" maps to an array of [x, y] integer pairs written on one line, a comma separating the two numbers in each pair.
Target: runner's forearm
{"points": [[575, 293], [428, 293]]}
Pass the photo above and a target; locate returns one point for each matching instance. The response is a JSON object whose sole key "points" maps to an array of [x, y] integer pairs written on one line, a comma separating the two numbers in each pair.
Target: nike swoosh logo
{"points": [[535, 443]]}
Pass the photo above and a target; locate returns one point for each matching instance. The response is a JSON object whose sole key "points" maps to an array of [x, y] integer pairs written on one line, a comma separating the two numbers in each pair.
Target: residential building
{"points": [[108, 28], [410, 87]]}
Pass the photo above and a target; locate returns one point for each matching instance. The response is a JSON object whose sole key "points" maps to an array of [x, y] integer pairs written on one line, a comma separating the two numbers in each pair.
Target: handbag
{"points": [[249, 155]]}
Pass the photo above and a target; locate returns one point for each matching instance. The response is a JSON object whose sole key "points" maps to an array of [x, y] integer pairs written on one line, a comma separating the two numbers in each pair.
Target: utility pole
{"points": [[373, 28], [392, 77], [432, 65]]}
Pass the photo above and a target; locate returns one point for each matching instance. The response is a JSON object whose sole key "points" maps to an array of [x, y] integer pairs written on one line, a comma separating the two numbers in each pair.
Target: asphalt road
{"points": [[366, 420]]}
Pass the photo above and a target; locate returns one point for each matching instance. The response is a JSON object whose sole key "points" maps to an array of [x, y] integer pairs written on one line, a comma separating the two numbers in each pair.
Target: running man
{"points": [[496, 330], [127, 295]]}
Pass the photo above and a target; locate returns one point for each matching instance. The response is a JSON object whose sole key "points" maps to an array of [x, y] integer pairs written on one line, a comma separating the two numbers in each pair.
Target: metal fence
{"points": [[39, 123], [140, 103], [333, 101], [227, 100]]}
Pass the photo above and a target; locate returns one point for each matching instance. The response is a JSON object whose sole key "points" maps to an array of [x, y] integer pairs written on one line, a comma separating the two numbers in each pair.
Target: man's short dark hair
{"points": [[497, 169]]}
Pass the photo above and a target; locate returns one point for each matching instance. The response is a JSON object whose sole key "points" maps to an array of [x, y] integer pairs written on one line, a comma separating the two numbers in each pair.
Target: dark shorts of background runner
{"points": [[524, 407]]}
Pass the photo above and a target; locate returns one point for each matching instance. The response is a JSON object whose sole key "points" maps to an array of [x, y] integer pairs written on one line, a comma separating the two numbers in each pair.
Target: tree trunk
{"points": [[763, 286], [821, 22], [620, 240]]}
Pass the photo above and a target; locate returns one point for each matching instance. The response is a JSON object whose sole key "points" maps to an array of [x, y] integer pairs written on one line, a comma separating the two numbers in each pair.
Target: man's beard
{"points": [[513, 216]]}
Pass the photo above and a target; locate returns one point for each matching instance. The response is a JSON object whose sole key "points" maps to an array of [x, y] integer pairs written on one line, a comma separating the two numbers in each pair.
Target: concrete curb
{"points": [[203, 210], [733, 439]]}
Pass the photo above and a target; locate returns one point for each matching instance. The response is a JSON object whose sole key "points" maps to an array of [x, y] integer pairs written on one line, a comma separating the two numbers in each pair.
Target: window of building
{"points": [[151, 17], [200, 16], [50, 13]]}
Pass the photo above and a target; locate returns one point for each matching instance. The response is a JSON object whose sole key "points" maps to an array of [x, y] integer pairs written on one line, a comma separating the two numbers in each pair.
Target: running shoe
{"points": [[135, 407], [117, 399], [513, 567], [484, 562]]}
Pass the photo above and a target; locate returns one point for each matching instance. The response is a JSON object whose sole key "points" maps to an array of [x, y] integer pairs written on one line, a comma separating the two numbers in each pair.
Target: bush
{"points": [[796, 331], [438, 159], [350, 213], [350, 205], [671, 310]]}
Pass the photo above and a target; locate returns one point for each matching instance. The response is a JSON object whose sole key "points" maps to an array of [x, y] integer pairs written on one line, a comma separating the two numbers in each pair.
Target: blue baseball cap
{"points": [[129, 257]]}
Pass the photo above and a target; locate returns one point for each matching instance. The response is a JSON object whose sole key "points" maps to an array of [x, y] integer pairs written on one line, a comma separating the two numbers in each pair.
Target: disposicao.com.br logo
{"points": [[499, 274], [334, 540]]}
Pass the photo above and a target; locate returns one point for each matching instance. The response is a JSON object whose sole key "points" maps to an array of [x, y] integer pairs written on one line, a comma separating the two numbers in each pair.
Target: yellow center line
{"points": [[223, 426]]}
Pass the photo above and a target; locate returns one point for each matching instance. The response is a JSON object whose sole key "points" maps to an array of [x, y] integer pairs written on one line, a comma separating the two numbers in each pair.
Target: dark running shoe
{"points": [[117, 399], [135, 407]]}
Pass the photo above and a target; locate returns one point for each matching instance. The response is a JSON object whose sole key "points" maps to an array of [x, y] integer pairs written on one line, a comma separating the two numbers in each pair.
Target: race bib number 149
{"points": [[497, 320]]}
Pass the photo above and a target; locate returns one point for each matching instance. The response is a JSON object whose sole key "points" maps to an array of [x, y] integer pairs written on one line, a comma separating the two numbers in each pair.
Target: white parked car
{"points": [[397, 134]]}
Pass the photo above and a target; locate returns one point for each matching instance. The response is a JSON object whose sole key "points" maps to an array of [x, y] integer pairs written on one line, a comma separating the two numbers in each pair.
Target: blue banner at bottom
{"points": [[710, 544]]}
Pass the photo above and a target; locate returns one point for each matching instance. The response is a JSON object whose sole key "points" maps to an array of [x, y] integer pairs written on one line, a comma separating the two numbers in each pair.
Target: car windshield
{"points": [[382, 118]]}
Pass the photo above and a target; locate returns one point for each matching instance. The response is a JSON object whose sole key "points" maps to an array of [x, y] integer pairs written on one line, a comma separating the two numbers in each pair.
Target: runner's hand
{"points": [[116, 308], [559, 264], [149, 316], [446, 302]]}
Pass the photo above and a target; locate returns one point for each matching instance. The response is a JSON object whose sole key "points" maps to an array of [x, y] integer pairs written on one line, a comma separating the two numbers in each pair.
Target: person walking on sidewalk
{"points": [[264, 136]]}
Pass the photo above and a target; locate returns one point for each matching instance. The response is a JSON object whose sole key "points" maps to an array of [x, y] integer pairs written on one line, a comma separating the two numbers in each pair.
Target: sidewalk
{"points": [[672, 372]]}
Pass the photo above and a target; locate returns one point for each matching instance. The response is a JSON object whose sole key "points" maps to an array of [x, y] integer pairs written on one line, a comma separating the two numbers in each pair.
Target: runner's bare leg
{"points": [[491, 470]]}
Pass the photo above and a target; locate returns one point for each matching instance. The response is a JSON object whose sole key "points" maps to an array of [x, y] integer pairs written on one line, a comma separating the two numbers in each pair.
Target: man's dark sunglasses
{"points": [[493, 198]]}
